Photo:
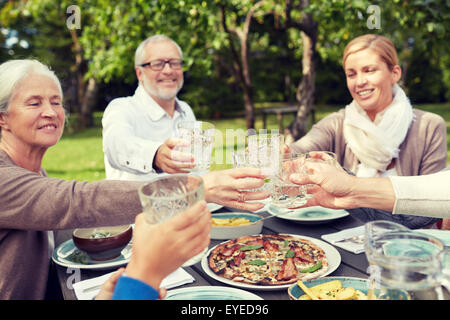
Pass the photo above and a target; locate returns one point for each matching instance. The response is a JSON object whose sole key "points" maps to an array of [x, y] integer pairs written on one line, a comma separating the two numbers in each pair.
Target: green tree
{"points": [[110, 31], [324, 28]]}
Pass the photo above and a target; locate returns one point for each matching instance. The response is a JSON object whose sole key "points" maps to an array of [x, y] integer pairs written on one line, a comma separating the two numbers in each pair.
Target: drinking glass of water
{"points": [[284, 193], [167, 196], [199, 136]]}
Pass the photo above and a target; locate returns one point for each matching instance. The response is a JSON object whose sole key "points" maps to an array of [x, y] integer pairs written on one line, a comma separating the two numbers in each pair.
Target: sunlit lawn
{"points": [[79, 155]]}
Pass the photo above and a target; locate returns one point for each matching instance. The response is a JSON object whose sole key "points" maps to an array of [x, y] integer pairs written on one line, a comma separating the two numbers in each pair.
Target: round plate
{"points": [[333, 256], [63, 256], [210, 293], [361, 284], [310, 215], [213, 206]]}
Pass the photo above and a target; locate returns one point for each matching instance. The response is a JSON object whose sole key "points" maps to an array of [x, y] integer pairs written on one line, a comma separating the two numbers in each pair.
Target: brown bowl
{"points": [[102, 243]]}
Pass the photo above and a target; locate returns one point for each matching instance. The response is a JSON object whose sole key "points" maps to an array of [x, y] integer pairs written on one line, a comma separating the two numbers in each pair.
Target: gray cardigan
{"points": [[424, 151], [31, 204]]}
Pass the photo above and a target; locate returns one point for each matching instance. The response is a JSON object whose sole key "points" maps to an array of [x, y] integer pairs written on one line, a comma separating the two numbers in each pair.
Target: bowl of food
{"points": [[102, 243], [330, 288], [338, 288], [232, 225]]}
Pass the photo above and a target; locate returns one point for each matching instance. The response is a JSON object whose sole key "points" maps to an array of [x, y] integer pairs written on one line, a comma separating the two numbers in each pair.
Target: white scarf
{"points": [[376, 143]]}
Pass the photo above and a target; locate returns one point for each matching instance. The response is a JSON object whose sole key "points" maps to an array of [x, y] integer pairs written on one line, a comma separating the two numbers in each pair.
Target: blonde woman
{"points": [[379, 134]]}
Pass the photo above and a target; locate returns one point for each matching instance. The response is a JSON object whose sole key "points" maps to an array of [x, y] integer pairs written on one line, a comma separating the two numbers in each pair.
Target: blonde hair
{"points": [[380, 44]]}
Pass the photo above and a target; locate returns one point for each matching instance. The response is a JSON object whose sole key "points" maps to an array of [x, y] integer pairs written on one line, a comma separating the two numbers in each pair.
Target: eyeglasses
{"points": [[158, 65]]}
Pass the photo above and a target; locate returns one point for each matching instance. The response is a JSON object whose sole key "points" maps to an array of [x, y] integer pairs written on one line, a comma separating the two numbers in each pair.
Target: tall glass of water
{"points": [[167, 196], [265, 150], [199, 136], [284, 193]]}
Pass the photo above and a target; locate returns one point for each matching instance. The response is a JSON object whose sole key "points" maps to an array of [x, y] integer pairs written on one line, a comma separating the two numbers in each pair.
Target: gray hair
{"points": [[140, 51], [13, 72]]}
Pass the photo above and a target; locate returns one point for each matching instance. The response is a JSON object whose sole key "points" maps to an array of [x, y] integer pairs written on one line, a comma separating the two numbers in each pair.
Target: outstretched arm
{"points": [[335, 188]]}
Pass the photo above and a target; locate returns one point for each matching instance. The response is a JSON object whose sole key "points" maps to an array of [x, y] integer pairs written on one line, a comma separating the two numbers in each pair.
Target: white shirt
{"points": [[134, 128]]}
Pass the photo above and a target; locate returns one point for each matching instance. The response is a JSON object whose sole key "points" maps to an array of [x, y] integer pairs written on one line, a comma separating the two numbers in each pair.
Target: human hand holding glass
{"points": [[199, 138], [167, 196], [318, 157], [169, 159], [160, 249], [243, 159]]}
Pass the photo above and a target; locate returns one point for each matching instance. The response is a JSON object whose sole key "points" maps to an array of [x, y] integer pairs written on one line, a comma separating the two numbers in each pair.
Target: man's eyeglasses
{"points": [[158, 65]]}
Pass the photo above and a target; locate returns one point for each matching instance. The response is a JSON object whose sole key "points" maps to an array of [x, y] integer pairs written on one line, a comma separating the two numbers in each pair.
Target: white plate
{"points": [[61, 256], [312, 215], [333, 257], [213, 206], [210, 293]]}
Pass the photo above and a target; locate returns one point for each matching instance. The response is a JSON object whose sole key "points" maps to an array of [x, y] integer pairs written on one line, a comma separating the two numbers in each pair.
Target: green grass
{"points": [[79, 155]]}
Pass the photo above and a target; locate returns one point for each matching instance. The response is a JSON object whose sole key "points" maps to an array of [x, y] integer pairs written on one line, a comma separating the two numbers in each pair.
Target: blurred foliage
{"points": [[112, 29]]}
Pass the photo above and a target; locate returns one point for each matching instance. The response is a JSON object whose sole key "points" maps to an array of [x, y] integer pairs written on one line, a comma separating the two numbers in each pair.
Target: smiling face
{"points": [[370, 81], [35, 118], [162, 85]]}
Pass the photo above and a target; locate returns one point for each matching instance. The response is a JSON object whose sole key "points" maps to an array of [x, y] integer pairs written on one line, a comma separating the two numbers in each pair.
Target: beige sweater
{"points": [[31, 204], [423, 151]]}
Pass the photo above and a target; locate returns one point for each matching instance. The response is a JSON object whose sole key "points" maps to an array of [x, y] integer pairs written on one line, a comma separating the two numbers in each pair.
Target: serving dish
{"points": [[309, 215], [254, 226], [333, 257], [67, 255], [210, 293], [295, 292], [102, 243]]}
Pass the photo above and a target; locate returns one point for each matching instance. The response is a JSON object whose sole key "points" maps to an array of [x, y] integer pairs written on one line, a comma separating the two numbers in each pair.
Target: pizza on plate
{"points": [[268, 259]]}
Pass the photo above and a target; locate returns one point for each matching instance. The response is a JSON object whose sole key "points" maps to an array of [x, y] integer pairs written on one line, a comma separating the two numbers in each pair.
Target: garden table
{"points": [[352, 265]]}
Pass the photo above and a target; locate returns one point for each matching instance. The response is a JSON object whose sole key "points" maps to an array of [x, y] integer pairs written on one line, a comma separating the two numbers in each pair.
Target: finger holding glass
{"points": [[326, 157], [166, 197], [228, 188], [160, 249], [243, 159], [199, 138], [169, 159]]}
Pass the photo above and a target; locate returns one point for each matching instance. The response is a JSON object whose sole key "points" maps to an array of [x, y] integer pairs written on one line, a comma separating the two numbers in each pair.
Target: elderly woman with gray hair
{"points": [[32, 204]]}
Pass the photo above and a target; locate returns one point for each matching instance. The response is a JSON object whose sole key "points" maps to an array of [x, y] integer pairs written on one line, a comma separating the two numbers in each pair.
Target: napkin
{"points": [[338, 239], [88, 289]]}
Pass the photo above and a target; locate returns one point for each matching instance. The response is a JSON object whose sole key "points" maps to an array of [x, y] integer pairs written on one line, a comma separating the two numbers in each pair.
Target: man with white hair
{"points": [[137, 130]]}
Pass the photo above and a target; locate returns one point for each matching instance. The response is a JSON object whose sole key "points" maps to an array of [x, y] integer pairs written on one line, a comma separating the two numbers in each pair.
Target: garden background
{"points": [[241, 56]]}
